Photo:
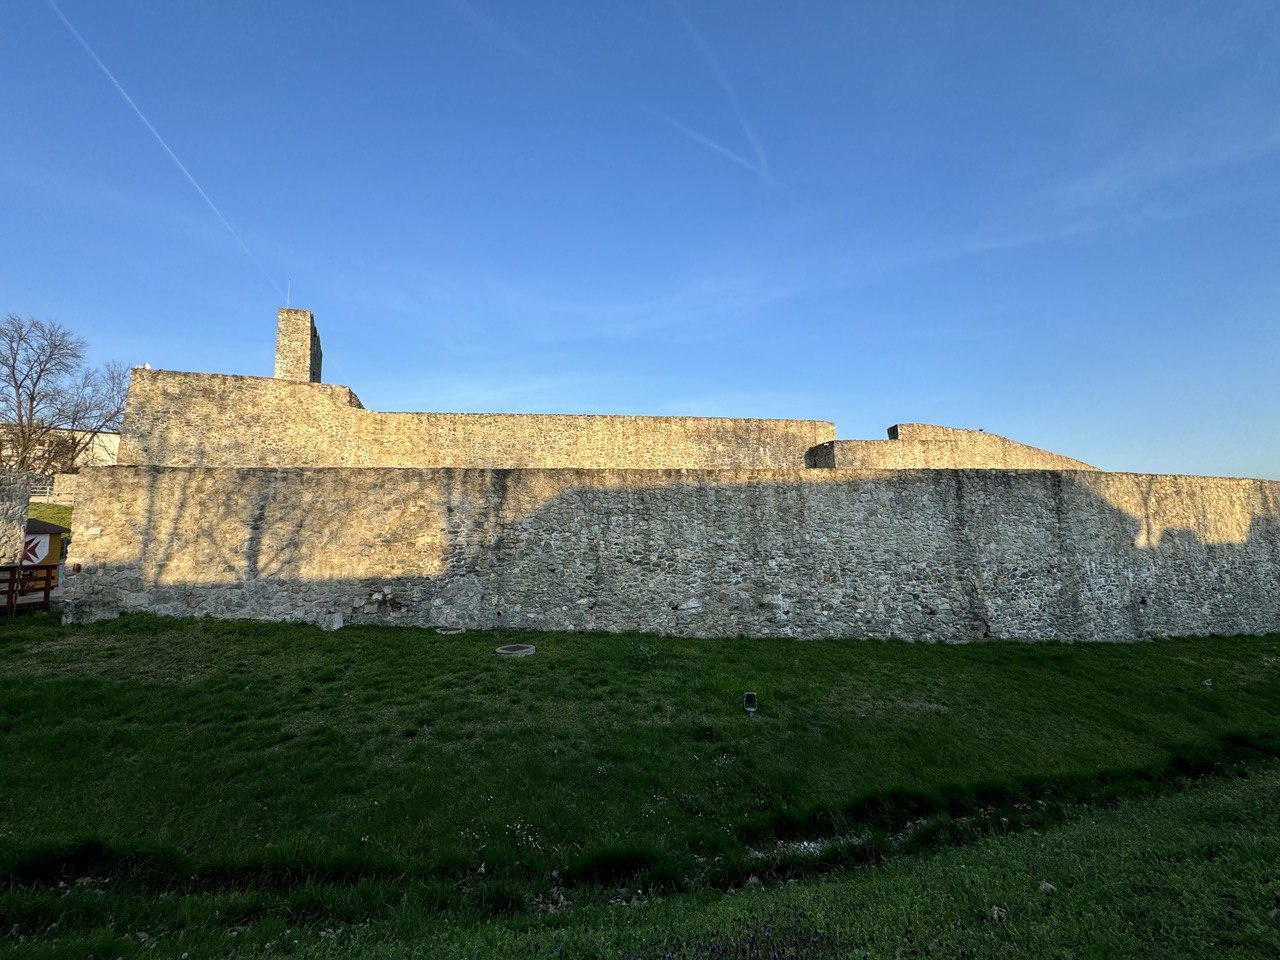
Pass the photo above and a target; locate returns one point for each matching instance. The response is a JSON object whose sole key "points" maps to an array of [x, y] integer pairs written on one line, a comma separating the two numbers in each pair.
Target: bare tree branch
{"points": [[53, 407]]}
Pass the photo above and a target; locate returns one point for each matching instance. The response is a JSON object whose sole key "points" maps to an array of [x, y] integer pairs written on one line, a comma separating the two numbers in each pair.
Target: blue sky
{"points": [[1058, 222]]}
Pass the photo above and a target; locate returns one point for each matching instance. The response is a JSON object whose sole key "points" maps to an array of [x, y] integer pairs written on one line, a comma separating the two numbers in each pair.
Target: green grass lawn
{"points": [[58, 513], [214, 784]]}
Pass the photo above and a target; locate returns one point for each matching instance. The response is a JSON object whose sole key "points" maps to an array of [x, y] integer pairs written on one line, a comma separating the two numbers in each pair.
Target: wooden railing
{"points": [[26, 588]]}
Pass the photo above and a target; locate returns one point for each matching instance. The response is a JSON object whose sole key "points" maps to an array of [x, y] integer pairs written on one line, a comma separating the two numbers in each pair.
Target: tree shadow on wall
{"points": [[928, 555]]}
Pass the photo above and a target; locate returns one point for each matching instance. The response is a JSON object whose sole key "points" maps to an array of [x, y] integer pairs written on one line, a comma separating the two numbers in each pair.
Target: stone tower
{"points": [[297, 346]]}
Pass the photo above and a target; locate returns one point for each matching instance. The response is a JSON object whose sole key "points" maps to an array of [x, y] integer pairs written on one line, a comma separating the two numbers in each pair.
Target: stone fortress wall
{"points": [[202, 419], [14, 495], [924, 446], [924, 555], [284, 499], [293, 420]]}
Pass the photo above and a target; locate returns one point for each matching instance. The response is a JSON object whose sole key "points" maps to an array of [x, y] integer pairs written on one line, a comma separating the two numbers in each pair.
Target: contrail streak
{"points": [[501, 37], [160, 140], [723, 79], [696, 137]]}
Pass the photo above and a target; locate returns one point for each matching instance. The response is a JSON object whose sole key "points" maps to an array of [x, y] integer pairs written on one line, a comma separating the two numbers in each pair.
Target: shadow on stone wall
{"points": [[926, 555]]}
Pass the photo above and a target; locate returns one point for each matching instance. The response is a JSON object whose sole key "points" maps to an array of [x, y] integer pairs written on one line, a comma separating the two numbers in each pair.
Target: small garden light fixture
{"points": [[749, 701]]}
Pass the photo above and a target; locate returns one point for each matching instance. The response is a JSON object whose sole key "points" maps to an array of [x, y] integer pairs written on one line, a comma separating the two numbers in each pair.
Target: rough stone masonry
{"points": [[14, 488], [285, 499]]}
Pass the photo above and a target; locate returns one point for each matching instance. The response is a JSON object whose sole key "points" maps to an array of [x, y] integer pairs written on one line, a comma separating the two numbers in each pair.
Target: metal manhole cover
{"points": [[516, 650]]}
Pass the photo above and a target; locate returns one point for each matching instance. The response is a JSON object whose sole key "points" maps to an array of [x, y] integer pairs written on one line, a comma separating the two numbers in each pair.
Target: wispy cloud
{"points": [[504, 39], [1150, 164], [693, 310], [711, 304], [165, 146], [697, 309], [1158, 179], [1149, 182]]}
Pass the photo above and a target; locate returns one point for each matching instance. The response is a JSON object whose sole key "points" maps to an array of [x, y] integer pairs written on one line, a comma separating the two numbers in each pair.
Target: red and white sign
{"points": [[35, 548]]}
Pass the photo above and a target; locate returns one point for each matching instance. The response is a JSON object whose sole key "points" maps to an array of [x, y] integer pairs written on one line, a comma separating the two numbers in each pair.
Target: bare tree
{"points": [[53, 406]]}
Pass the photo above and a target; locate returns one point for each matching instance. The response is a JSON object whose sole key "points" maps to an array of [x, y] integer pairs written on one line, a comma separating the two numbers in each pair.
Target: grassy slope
{"points": [[276, 771], [1195, 874], [50, 513]]}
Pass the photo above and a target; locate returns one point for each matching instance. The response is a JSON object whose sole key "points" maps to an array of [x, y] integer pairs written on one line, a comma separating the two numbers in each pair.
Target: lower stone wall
{"points": [[14, 494], [939, 556]]}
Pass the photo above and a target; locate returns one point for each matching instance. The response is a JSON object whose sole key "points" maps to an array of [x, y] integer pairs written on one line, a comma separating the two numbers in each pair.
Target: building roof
{"points": [[43, 526]]}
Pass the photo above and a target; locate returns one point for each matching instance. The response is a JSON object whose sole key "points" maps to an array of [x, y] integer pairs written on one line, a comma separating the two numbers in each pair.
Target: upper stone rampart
{"points": [[933, 431], [215, 420], [925, 446], [293, 420]]}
